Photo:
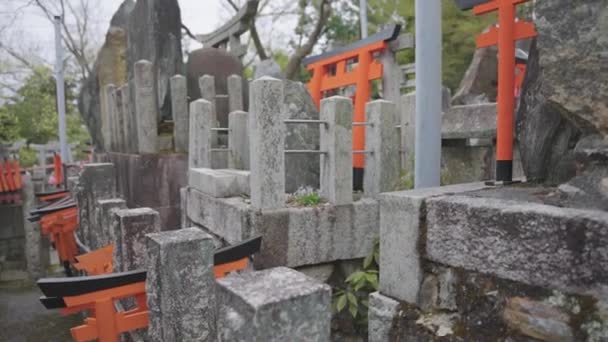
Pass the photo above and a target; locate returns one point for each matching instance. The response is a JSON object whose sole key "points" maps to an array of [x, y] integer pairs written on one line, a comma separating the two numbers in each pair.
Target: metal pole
{"points": [[363, 15], [60, 91], [428, 94]]}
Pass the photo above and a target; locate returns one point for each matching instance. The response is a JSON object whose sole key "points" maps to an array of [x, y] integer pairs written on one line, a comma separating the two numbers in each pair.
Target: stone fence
{"points": [[185, 301], [133, 125], [487, 263], [257, 142]]}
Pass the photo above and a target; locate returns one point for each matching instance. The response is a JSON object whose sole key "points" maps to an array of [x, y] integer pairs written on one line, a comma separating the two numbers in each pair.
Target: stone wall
{"points": [[480, 263]]}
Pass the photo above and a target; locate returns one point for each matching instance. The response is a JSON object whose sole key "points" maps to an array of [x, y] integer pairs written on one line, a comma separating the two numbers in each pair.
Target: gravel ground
{"points": [[23, 318]]}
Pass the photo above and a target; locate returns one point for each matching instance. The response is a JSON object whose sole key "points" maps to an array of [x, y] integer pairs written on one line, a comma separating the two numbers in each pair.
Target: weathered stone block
{"points": [[336, 141], [471, 121], [238, 140], [179, 104], [200, 139], [340, 233], [97, 181], [536, 244], [102, 232], [235, 93], [538, 320], [401, 216], [279, 304], [146, 109], [382, 168], [225, 217], [130, 228], [382, 311], [180, 286], [219, 183], [267, 143]]}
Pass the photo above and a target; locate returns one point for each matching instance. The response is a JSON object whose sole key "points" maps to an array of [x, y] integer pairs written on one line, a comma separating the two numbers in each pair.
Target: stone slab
{"points": [[401, 216], [219, 183], [308, 236], [537, 244], [470, 121], [102, 233], [130, 228], [278, 304], [381, 314], [228, 218]]}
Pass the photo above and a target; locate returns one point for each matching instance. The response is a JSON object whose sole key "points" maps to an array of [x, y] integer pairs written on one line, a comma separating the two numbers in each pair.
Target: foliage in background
{"points": [[32, 114], [460, 30], [353, 297]]}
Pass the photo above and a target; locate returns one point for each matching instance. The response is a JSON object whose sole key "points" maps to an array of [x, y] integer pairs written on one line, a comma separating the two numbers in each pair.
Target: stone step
{"points": [[219, 183]]}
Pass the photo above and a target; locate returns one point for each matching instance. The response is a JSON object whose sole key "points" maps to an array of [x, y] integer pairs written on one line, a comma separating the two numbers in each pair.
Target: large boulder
{"points": [[479, 82], [300, 169], [155, 35], [565, 94], [110, 67]]}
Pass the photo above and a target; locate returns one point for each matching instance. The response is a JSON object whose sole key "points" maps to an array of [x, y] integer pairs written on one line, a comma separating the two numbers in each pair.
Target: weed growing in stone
{"points": [[358, 285]]}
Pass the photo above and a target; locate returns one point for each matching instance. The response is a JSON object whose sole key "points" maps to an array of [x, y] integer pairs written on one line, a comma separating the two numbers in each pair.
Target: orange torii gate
{"points": [[508, 31], [330, 73], [98, 293]]}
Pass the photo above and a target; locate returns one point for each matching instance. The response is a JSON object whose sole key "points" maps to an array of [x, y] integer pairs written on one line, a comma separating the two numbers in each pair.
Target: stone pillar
{"points": [[97, 181], [206, 84], [235, 93], [408, 131], [238, 140], [102, 234], [179, 107], [276, 304], [36, 255], [337, 140], [130, 227], [180, 286], [200, 141], [128, 124], [145, 108], [382, 142], [119, 120], [267, 143], [108, 127]]}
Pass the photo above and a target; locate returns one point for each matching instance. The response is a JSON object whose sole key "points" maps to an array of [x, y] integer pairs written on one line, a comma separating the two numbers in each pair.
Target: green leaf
{"points": [[365, 303], [359, 286], [353, 311], [355, 277], [367, 262], [351, 298], [341, 303]]}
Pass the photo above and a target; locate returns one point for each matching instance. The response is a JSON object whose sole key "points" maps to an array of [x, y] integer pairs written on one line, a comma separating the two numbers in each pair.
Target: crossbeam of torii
{"points": [[229, 35]]}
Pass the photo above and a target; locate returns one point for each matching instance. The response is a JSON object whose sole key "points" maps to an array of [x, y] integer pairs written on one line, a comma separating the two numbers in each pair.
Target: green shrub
{"points": [[357, 287]]}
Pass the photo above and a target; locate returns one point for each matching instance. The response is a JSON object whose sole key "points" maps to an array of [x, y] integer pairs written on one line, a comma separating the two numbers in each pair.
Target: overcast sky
{"points": [[201, 16]]}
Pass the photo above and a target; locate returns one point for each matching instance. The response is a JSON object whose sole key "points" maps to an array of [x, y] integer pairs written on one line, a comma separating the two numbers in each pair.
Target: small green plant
{"points": [[308, 200], [358, 285]]}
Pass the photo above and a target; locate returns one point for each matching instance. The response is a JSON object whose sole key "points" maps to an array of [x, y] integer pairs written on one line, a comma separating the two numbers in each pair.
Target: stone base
{"points": [[293, 236], [153, 181], [219, 183]]}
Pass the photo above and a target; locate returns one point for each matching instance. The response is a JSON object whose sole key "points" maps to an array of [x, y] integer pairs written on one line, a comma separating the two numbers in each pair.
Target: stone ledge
{"points": [[219, 183], [470, 121], [292, 236], [532, 243], [401, 215], [278, 304]]}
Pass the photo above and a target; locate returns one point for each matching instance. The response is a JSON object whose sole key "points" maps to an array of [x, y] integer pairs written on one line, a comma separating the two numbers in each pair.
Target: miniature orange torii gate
{"points": [[508, 31], [330, 73], [97, 294]]}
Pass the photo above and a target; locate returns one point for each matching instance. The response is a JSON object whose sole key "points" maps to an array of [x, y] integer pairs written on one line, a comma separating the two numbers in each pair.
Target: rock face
{"points": [[565, 95], [154, 31], [538, 320], [219, 64], [479, 82], [110, 67]]}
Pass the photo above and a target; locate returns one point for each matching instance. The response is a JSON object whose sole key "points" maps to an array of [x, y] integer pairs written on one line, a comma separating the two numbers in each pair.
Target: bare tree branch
{"points": [[296, 59]]}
